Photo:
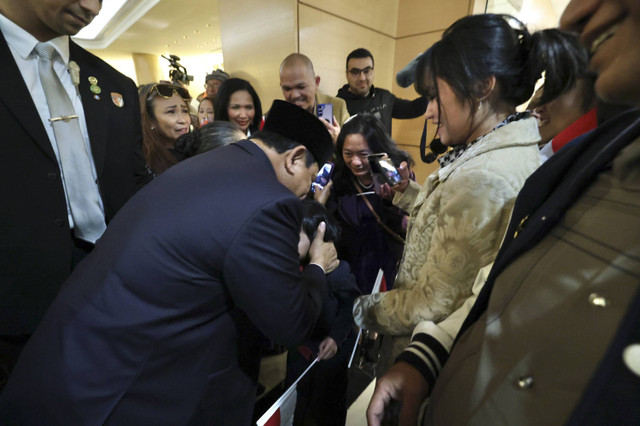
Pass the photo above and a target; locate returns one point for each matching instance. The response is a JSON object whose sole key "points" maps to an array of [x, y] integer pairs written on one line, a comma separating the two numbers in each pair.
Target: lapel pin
{"points": [[92, 80], [117, 99]]}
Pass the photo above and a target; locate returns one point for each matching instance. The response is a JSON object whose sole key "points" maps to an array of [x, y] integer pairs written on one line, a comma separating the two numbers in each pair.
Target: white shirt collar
{"points": [[23, 43]]}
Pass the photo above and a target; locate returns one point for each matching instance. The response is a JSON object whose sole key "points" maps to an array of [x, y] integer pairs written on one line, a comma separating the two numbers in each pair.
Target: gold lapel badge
{"points": [[94, 85]]}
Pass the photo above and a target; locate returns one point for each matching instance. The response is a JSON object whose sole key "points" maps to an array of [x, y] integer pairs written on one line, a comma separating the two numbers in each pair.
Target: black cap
{"points": [[299, 125]]}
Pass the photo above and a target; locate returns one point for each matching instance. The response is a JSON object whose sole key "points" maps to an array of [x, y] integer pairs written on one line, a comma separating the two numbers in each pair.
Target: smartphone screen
{"points": [[325, 112], [382, 167], [323, 177]]}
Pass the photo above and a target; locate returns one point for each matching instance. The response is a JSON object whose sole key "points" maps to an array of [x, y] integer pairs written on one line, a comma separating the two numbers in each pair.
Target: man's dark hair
{"points": [[312, 214], [281, 144], [211, 136], [359, 53]]}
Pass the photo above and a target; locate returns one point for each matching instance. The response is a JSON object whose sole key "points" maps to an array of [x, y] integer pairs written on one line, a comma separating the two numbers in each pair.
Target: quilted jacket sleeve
{"points": [[466, 219]]}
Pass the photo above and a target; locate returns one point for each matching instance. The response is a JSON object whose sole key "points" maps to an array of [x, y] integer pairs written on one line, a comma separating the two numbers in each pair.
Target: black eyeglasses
{"points": [[355, 72], [167, 91]]}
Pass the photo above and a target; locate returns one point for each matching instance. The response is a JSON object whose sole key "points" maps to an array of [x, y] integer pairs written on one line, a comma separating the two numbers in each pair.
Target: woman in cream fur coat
{"points": [[459, 216]]}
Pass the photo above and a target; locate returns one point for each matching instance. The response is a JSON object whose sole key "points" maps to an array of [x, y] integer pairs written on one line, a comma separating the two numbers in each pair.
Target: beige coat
{"points": [[458, 219]]}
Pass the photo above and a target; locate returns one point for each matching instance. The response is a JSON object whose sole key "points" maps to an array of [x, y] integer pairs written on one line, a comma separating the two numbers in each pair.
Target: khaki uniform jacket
{"points": [[554, 337]]}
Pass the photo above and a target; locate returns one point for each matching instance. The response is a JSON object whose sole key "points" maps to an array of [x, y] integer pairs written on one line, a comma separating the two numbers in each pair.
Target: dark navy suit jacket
{"points": [[35, 240], [144, 330]]}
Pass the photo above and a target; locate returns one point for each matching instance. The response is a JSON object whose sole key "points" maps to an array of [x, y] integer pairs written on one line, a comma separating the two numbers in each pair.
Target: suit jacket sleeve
{"points": [[262, 274], [141, 173]]}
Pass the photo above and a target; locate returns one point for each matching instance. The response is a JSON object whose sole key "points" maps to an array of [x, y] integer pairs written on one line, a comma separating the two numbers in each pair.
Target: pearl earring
{"points": [[153, 127]]}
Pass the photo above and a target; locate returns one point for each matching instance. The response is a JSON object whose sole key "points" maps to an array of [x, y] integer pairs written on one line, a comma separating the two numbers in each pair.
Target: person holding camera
{"points": [[372, 228]]}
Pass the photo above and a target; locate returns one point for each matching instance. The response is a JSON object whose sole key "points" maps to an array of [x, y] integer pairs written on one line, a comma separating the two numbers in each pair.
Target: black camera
{"points": [[178, 73]]}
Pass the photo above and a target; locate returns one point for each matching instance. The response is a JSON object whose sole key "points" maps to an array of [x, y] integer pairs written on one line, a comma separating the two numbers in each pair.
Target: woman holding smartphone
{"points": [[475, 76], [372, 228]]}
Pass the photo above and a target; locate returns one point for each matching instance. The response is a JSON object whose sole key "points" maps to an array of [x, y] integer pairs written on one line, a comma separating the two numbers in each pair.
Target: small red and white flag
{"points": [[281, 412]]}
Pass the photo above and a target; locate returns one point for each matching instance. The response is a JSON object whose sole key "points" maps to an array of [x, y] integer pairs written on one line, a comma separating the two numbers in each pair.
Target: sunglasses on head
{"points": [[167, 91]]}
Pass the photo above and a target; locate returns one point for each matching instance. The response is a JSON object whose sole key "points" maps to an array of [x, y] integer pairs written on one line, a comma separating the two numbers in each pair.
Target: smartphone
{"points": [[383, 169], [325, 112], [323, 177]]}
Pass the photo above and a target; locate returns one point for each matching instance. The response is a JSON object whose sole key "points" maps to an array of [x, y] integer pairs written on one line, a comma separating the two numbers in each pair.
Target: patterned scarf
{"points": [[458, 150]]}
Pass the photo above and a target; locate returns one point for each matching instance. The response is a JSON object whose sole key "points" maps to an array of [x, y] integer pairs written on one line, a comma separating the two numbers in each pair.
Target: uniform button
{"points": [[52, 175], [596, 300], [59, 222], [525, 382], [631, 357]]}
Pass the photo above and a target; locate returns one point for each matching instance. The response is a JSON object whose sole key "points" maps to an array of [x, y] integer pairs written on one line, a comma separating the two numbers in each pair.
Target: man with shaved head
{"points": [[299, 84]]}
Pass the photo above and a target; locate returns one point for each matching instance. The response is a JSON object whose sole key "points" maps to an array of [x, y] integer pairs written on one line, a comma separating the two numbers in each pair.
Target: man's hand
{"points": [[322, 195], [403, 383], [322, 253], [405, 173], [334, 129], [328, 348]]}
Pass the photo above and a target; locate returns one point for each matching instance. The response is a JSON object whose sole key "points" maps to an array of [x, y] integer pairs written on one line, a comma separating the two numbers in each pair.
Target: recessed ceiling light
{"points": [[185, 37], [196, 31]]}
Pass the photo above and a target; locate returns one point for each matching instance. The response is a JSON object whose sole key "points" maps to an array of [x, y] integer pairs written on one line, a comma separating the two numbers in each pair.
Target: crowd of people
{"points": [[510, 276]]}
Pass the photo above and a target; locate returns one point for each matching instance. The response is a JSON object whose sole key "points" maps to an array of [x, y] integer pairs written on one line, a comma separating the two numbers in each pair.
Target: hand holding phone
{"points": [[383, 170], [325, 112], [323, 177]]}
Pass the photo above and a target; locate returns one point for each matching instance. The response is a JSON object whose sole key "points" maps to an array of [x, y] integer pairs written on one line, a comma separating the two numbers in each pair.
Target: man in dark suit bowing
{"points": [[70, 157], [158, 323]]}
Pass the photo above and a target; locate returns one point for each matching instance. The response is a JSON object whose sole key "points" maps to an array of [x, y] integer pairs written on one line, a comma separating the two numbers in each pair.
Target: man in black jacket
{"points": [[41, 238], [361, 96]]}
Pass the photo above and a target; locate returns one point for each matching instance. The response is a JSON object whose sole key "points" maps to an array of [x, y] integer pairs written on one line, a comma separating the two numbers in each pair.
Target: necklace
{"points": [[363, 185]]}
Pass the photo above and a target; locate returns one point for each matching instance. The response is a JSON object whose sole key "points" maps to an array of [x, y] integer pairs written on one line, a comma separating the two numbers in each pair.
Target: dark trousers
{"points": [[322, 392]]}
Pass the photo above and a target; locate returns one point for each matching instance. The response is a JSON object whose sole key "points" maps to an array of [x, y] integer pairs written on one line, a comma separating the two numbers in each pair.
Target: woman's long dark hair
{"points": [[221, 103], [378, 140]]}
